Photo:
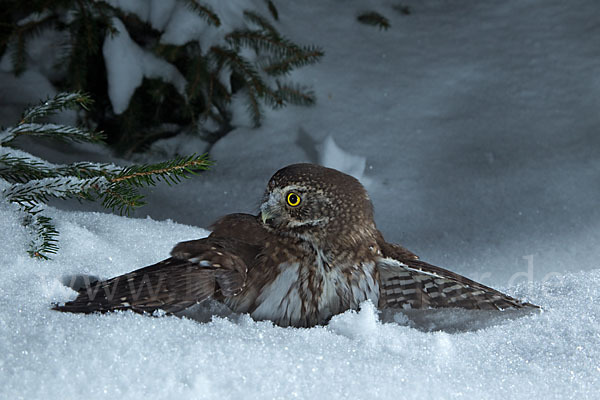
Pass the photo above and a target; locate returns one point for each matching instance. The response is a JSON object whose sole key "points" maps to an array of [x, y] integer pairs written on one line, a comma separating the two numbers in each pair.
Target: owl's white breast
{"points": [[304, 295], [280, 300]]}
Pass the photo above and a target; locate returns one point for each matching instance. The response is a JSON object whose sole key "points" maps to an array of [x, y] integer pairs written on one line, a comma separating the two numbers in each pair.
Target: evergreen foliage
{"points": [[375, 19], [29, 182], [157, 109]]}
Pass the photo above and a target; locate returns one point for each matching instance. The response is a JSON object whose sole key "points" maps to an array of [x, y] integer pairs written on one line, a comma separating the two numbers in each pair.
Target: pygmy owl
{"points": [[313, 251]]}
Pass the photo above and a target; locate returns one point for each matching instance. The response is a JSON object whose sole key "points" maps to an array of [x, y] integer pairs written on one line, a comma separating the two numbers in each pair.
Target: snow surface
{"points": [[45, 354], [477, 125]]}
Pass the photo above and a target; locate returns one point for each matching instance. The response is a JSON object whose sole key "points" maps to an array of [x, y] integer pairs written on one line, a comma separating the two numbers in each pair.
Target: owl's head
{"points": [[305, 199]]}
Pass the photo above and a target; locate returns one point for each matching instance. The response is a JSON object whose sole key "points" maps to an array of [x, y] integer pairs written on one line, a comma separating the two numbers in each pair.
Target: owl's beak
{"points": [[269, 209], [265, 216]]}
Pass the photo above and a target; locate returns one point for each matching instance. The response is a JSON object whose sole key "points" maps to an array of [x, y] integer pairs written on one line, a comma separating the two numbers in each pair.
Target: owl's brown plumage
{"points": [[312, 252]]}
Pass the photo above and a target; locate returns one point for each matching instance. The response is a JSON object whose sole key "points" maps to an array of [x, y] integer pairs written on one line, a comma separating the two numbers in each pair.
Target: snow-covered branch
{"points": [[30, 182]]}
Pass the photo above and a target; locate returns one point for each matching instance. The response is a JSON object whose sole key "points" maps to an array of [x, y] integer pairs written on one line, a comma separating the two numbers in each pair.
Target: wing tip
{"points": [[69, 307], [528, 305]]}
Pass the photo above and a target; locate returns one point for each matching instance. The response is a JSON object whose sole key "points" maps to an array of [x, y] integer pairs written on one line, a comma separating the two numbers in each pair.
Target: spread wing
{"points": [[411, 283], [198, 269]]}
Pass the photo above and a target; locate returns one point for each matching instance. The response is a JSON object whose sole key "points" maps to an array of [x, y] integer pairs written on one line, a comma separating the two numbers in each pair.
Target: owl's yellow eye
{"points": [[293, 199]]}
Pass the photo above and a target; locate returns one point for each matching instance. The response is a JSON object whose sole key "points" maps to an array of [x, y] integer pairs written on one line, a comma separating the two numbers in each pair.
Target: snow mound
{"points": [[355, 325], [332, 156], [127, 64]]}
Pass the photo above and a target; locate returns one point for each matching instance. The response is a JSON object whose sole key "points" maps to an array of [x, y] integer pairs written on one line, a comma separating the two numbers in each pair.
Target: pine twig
{"points": [[46, 239], [238, 63], [295, 94], [21, 168], [204, 11], [264, 41], [56, 104], [62, 101], [122, 193], [170, 171], [308, 55], [255, 86], [28, 195], [123, 198], [33, 181], [62, 132]]}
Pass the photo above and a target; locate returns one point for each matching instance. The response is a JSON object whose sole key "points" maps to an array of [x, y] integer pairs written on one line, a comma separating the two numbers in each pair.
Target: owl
{"points": [[313, 251]]}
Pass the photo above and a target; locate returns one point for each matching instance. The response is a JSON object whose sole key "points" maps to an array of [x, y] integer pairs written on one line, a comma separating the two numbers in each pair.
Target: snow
{"points": [[127, 64], [184, 26], [157, 12], [476, 129], [332, 156], [552, 354]]}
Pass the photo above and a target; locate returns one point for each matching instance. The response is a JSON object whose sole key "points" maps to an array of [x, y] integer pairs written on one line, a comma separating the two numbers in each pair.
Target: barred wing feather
{"points": [[414, 284]]}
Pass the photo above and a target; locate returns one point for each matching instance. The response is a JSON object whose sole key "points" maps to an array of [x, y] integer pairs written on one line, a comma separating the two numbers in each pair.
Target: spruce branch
{"points": [[122, 192], [123, 198], [32, 181], [50, 106], [197, 77], [204, 11], [209, 95], [61, 132], [56, 104], [264, 41], [295, 94], [289, 94], [45, 240], [172, 171], [239, 64], [253, 107], [117, 189], [375, 19], [28, 195], [255, 86], [17, 160], [19, 167], [308, 55], [85, 170], [273, 99]]}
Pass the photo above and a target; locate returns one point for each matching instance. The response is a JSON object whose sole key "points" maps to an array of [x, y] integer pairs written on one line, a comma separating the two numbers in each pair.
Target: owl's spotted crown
{"points": [[317, 178], [306, 196]]}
